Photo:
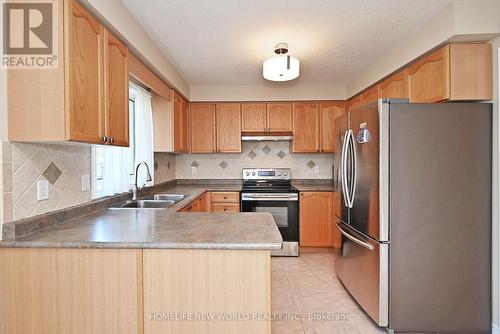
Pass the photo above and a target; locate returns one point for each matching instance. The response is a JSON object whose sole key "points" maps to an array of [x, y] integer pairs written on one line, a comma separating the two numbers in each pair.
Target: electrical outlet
{"points": [[316, 169], [85, 182], [42, 190], [194, 170]]}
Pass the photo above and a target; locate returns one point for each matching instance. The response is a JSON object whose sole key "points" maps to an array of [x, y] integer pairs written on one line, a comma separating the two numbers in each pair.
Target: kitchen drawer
{"points": [[225, 207], [225, 197]]}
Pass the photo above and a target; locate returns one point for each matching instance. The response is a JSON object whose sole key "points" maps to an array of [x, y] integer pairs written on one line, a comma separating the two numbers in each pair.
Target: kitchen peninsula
{"points": [[141, 271]]}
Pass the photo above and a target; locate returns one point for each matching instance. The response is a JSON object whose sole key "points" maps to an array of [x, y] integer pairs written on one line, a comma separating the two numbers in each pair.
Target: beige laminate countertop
{"points": [[314, 187], [166, 228]]}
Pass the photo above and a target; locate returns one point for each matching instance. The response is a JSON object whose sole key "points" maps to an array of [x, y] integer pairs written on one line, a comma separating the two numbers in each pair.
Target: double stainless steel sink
{"points": [[158, 201]]}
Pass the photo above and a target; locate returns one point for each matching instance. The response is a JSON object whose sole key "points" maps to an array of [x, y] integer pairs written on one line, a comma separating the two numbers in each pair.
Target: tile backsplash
{"points": [[255, 154], [62, 166], [164, 167]]}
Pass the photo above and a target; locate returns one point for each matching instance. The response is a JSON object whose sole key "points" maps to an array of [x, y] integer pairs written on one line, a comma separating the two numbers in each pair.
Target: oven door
{"points": [[284, 208]]}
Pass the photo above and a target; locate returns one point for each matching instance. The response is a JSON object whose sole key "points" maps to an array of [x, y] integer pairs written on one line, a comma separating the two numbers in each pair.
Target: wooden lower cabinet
{"points": [[204, 202], [316, 219], [77, 291], [132, 291], [212, 282], [225, 207], [225, 201], [337, 207]]}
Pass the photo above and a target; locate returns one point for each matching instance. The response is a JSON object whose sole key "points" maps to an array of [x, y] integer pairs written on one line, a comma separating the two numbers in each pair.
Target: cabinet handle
{"points": [[225, 209], [225, 197], [112, 140], [104, 139]]}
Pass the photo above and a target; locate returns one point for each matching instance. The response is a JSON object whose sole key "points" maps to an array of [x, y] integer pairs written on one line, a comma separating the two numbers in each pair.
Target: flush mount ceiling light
{"points": [[283, 67]]}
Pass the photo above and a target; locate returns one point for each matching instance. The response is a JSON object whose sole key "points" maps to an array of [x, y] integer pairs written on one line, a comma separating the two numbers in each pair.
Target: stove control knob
{"points": [[285, 173], [279, 173], [253, 173], [247, 173]]}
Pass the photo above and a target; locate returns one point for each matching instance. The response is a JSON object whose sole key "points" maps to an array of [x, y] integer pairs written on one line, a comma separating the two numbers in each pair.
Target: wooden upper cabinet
{"points": [[178, 124], [395, 86], [116, 92], [328, 111], [306, 127], [253, 117], [279, 117], [84, 68], [454, 72], [85, 98], [316, 219], [202, 121], [228, 127], [353, 103], [370, 95], [180, 129]]}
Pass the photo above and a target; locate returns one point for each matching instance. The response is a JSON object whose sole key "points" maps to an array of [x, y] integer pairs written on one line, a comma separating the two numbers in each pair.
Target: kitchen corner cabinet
{"points": [[353, 103], [85, 99], [228, 119], [305, 128], [370, 95], [313, 126], [181, 126], [316, 219], [395, 86], [328, 111], [203, 128], [452, 73]]}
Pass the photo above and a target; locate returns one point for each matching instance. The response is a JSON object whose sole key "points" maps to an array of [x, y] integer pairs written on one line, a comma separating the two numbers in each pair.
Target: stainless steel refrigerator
{"points": [[416, 214]]}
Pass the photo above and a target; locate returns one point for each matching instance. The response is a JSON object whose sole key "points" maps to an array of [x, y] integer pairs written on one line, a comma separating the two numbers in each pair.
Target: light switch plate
{"points": [[316, 169], [42, 190], [85, 182], [194, 170]]}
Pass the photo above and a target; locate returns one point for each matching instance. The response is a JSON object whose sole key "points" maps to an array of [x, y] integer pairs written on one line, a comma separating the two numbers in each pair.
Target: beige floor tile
{"points": [[287, 327], [357, 324], [334, 302], [315, 283], [277, 267], [279, 282], [283, 302]]}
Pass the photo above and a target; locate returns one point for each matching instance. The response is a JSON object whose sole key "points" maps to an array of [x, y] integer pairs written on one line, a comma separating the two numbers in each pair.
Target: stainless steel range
{"points": [[270, 190]]}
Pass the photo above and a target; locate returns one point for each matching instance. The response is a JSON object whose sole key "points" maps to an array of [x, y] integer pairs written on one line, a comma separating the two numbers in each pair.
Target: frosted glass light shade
{"points": [[275, 69]]}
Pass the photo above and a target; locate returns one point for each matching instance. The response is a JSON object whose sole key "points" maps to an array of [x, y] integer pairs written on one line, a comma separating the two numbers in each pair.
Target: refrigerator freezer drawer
{"points": [[362, 266]]}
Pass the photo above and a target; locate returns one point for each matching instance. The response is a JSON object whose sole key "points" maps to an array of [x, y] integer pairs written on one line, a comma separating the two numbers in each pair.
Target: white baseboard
{"points": [[495, 329]]}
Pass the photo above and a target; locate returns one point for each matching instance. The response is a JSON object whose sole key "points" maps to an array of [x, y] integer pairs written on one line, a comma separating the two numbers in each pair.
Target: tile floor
{"points": [[308, 286]]}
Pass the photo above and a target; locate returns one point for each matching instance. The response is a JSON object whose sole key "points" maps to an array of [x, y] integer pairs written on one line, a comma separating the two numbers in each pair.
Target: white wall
{"points": [[117, 15], [268, 92], [463, 20], [496, 189]]}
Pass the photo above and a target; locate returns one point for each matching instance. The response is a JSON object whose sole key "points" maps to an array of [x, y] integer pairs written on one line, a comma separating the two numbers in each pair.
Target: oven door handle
{"points": [[260, 197]]}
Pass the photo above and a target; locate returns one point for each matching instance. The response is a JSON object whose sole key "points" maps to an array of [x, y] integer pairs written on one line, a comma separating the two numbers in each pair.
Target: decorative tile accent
{"points": [[311, 164], [195, 164], [156, 165], [223, 164], [52, 173], [266, 150], [251, 155], [281, 154]]}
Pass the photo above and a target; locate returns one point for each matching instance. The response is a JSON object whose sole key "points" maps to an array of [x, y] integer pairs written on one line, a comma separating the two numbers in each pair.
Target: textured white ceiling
{"points": [[224, 42]]}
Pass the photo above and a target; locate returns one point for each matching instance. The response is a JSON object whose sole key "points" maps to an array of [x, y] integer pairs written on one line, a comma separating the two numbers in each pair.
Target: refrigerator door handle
{"points": [[354, 239], [343, 168], [354, 165]]}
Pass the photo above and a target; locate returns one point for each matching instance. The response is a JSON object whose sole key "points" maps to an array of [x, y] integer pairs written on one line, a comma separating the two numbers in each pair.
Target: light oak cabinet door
{"points": [[316, 219], [337, 207], [353, 103], [253, 117], [279, 117], [225, 207], [181, 130], [394, 87], [306, 127], [84, 72], [204, 202], [328, 111], [228, 127], [202, 119], [371, 95], [116, 91], [428, 78]]}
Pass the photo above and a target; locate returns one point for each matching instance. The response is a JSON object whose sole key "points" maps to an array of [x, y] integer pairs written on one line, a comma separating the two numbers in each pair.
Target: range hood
{"points": [[267, 136]]}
